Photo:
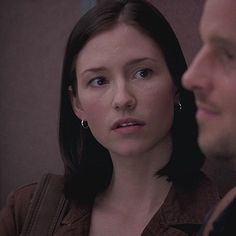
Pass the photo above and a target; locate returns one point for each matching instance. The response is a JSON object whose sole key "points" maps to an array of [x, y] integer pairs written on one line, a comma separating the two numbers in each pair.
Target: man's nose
{"points": [[198, 75]]}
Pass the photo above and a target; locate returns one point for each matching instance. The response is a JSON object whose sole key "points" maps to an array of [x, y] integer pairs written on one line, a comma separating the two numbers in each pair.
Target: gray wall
{"points": [[32, 40], [184, 17]]}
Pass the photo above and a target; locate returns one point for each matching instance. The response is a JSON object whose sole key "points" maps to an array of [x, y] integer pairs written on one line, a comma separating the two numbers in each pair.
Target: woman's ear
{"points": [[76, 105]]}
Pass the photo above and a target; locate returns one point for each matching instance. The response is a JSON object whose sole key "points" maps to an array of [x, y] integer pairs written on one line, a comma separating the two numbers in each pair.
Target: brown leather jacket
{"points": [[181, 214]]}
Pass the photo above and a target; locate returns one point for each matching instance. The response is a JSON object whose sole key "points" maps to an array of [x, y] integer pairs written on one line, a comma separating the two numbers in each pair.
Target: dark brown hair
{"points": [[88, 166]]}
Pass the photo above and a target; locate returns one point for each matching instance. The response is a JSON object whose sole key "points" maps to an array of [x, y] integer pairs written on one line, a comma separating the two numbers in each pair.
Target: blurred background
{"points": [[32, 42]]}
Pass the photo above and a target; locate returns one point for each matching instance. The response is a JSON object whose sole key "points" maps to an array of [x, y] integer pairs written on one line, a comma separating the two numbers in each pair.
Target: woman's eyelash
{"points": [[97, 81], [143, 73]]}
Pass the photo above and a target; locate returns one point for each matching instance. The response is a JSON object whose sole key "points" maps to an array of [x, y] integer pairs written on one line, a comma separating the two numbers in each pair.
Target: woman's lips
{"points": [[127, 126]]}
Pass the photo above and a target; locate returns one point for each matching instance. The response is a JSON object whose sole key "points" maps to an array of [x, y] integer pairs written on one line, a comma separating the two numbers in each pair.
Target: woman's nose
{"points": [[123, 98]]}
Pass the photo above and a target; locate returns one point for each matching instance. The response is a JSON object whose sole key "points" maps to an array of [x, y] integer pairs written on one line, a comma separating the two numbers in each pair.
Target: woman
{"points": [[127, 128]]}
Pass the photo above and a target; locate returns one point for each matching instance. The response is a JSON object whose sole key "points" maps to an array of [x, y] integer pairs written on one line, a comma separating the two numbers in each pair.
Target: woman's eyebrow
{"points": [[93, 69], [139, 60], [128, 64]]}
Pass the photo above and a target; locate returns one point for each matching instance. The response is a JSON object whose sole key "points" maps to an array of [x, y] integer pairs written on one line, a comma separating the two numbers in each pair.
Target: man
{"points": [[212, 78]]}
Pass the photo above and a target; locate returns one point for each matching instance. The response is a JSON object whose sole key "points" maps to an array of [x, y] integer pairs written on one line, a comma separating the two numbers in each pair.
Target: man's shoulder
{"points": [[222, 218]]}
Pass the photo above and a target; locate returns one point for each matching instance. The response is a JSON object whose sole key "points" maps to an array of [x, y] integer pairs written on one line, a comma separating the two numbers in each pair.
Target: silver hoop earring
{"points": [[179, 106], [84, 124]]}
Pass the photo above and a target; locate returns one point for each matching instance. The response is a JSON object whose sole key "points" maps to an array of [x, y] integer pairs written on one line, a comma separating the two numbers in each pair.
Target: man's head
{"points": [[212, 78]]}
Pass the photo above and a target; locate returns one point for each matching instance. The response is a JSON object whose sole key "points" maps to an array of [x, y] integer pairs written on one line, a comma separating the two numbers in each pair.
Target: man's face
{"points": [[212, 78]]}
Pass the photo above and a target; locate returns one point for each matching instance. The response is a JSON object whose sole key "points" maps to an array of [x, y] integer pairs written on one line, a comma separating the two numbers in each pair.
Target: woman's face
{"points": [[125, 91]]}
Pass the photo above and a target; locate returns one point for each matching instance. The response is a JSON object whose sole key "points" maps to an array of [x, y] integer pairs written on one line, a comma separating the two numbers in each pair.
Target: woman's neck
{"points": [[134, 182]]}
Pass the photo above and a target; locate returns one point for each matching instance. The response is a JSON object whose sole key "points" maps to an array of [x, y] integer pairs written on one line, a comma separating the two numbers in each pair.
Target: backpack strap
{"points": [[47, 207]]}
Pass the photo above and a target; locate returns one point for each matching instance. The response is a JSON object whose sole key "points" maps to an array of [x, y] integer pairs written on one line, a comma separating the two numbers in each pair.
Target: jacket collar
{"points": [[183, 208], [179, 208]]}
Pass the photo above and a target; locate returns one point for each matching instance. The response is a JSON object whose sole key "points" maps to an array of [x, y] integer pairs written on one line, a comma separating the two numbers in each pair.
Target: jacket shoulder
{"points": [[12, 216]]}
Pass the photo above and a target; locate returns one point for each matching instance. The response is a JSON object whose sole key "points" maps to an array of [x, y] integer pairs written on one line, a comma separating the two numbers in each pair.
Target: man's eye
{"points": [[98, 81], [229, 55], [226, 55], [143, 73]]}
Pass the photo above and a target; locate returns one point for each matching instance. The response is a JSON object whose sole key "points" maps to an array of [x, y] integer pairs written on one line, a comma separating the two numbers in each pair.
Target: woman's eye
{"points": [[98, 81], [143, 73]]}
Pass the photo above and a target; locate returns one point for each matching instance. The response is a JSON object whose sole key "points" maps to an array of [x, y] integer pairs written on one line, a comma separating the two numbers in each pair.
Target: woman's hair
{"points": [[88, 165]]}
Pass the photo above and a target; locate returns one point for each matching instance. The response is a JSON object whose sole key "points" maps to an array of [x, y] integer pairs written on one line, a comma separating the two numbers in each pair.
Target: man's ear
{"points": [[76, 106]]}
